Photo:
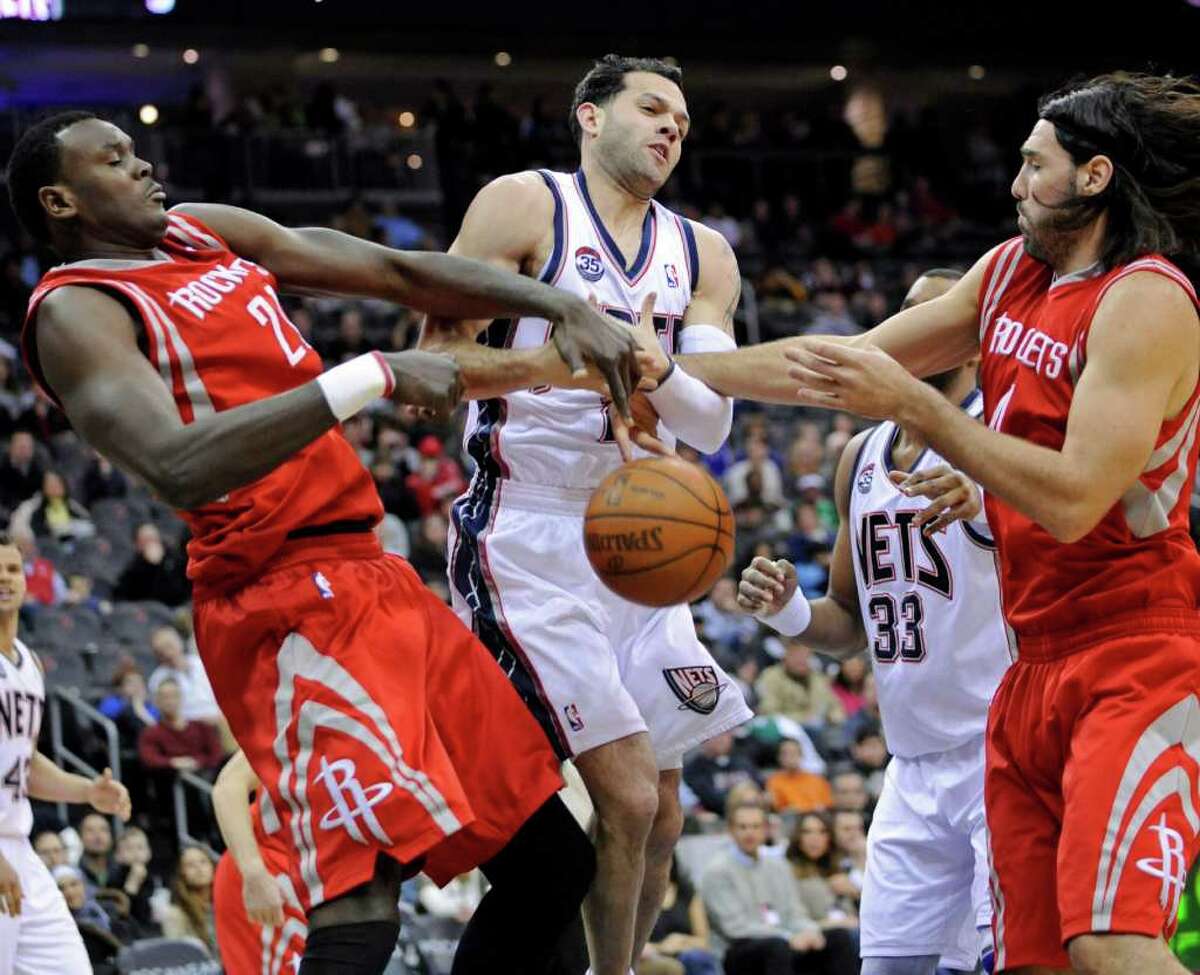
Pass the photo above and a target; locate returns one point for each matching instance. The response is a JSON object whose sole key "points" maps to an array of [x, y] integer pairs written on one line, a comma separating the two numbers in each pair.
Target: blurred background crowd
{"points": [[835, 185]]}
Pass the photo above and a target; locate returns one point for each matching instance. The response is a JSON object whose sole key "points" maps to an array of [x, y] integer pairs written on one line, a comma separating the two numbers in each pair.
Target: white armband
{"points": [[353, 384], [793, 619], [687, 407]]}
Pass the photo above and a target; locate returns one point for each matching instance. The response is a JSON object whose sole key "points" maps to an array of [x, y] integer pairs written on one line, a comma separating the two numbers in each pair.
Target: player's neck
{"points": [[8, 635], [909, 445], [1086, 250], [89, 248], [619, 208]]}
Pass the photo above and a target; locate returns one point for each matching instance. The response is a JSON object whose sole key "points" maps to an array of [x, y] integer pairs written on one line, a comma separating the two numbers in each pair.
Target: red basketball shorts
{"points": [[1091, 794], [247, 948], [374, 719]]}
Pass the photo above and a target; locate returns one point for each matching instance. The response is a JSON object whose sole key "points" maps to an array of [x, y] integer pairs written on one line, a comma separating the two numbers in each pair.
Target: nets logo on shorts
{"points": [[589, 264], [696, 687], [865, 477]]}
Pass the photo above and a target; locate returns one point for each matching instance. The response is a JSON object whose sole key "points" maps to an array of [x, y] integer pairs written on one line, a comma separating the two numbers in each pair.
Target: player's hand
{"points": [[583, 334], [10, 889], [430, 381], [866, 381], [262, 897], [807, 941], [952, 496], [652, 357], [641, 433], [108, 796], [766, 586]]}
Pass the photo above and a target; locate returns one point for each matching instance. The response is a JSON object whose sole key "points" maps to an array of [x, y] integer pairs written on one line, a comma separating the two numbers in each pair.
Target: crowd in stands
{"points": [[776, 814]]}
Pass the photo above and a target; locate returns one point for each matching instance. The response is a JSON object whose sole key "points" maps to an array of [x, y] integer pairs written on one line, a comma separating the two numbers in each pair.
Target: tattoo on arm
{"points": [[735, 300]]}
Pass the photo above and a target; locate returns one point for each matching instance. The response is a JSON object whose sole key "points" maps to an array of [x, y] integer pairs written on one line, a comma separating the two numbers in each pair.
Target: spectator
{"points": [[794, 689], [128, 705], [866, 716], [20, 471], [754, 908], [53, 512], [102, 480], [725, 625], [812, 857], [715, 770], [849, 789], [175, 742], [132, 876], [681, 930], [429, 553], [791, 788], [437, 480], [870, 758], [186, 669], [758, 459], [848, 683], [102, 936], [153, 573], [96, 861], [850, 846], [190, 912], [50, 848], [44, 585]]}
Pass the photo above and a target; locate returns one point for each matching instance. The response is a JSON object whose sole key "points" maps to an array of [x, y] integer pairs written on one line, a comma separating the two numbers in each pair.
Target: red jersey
{"points": [[1138, 568], [218, 336]]}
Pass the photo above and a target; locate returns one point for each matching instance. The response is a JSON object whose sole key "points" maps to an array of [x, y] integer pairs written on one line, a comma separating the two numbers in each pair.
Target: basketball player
{"points": [[37, 932], [1090, 347], [613, 684], [927, 603], [357, 696], [260, 923]]}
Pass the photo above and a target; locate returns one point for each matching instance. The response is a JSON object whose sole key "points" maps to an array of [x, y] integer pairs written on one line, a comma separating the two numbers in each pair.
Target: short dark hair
{"points": [[1149, 127], [6, 540], [35, 162], [607, 78]]}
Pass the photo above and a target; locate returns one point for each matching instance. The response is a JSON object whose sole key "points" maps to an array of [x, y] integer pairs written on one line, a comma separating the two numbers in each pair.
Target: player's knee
{"points": [[626, 809], [668, 825]]}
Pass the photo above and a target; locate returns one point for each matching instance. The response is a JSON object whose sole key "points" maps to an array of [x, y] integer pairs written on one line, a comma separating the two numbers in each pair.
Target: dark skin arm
{"points": [[316, 260], [87, 346]]}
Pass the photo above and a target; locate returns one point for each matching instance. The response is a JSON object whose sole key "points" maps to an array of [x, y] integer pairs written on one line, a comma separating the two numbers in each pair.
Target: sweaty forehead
{"points": [[1042, 138]]}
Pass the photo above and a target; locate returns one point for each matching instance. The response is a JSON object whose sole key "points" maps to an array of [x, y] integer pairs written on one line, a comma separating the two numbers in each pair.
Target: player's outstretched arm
{"points": [[1141, 364], [49, 783], [832, 624], [231, 804], [928, 338], [87, 348], [323, 261]]}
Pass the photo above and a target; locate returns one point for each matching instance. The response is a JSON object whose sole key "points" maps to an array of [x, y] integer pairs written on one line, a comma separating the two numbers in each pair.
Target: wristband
{"points": [[793, 619], [352, 385]]}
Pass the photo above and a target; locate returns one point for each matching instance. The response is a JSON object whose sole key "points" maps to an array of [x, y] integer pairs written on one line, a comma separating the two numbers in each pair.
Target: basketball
{"points": [[659, 531]]}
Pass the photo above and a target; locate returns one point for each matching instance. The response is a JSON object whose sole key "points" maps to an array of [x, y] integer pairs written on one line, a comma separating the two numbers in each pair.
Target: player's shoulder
{"points": [[1162, 304], [529, 190], [66, 303], [710, 243]]}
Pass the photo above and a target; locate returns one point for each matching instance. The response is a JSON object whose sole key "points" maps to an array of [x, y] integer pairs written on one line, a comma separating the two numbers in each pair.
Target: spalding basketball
{"points": [[659, 531]]}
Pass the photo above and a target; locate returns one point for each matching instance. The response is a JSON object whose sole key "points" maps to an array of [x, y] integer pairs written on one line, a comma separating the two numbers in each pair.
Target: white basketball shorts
{"points": [[43, 938], [591, 666], [926, 885]]}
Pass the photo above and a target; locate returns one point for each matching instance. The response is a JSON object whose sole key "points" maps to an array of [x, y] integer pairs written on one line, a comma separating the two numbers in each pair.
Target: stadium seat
{"points": [[157, 955], [65, 668], [67, 628]]}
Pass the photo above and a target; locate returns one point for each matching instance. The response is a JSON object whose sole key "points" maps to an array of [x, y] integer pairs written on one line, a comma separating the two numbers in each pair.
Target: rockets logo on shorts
{"points": [[696, 687], [589, 263], [1171, 867], [352, 801], [865, 477]]}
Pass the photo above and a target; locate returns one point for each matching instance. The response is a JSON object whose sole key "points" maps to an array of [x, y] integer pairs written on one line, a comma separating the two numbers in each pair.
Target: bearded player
{"points": [[359, 699], [1090, 347], [927, 604], [622, 689]]}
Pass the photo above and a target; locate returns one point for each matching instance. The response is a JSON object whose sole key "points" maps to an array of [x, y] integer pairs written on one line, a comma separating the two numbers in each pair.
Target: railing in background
{"points": [[183, 782], [65, 758]]}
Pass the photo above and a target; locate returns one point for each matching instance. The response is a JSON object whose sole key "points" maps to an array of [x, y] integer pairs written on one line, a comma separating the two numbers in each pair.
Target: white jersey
{"points": [[930, 606], [561, 438], [22, 703]]}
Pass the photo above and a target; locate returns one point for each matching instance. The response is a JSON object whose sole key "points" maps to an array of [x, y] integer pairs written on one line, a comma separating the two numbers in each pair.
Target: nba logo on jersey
{"points": [[672, 275], [865, 476], [323, 586], [588, 264], [573, 717]]}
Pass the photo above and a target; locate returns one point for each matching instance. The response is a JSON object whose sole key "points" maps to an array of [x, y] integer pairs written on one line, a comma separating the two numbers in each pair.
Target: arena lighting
{"points": [[141, 51], [503, 59], [160, 6], [976, 72], [191, 56], [148, 114], [838, 72], [414, 162], [329, 54], [407, 120], [31, 9]]}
